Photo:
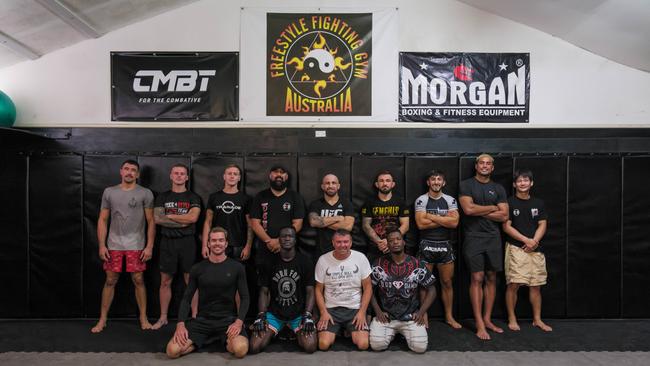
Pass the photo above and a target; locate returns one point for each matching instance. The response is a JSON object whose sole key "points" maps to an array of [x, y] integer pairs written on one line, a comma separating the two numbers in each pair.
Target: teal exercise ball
{"points": [[7, 111]]}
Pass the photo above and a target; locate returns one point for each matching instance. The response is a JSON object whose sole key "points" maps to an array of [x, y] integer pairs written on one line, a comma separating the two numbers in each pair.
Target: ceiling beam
{"points": [[69, 16], [18, 47]]}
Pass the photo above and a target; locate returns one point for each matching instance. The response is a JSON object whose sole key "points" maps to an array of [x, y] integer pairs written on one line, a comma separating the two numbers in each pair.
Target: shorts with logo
{"points": [[177, 251], [276, 324], [483, 253], [436, 251], [132, 258], [203, 331], [524, 268], [343, 317]]}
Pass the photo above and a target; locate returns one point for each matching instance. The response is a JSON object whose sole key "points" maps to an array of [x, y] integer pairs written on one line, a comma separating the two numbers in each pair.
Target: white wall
{"points": [[570, 87]]}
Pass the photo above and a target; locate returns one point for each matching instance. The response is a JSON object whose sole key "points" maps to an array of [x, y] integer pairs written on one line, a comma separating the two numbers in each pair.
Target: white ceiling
{"points": [[615, 29]]}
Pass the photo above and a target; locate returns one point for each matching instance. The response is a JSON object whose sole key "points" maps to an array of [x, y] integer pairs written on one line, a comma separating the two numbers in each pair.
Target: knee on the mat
{"points": [[379, 344], [418, 347], [324, 344], [173, 350], [361, 343], [239, 348]]}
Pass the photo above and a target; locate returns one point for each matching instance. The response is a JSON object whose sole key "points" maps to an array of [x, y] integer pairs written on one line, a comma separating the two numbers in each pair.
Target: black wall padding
{"points": [[154, 174], [101, 171], [503, 175], [207, 174], [594, 261], [55, 236], [636, 241], [257, 171], [416, 175], [364, 172], [549, 175], [13, 242]]}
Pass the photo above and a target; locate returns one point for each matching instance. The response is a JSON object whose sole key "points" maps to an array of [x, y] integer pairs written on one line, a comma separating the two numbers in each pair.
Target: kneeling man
{"points": [[398, 281], [217, 278]]}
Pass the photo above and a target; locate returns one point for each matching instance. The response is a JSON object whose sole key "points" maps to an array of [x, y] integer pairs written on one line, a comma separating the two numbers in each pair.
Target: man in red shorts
{"points": [[129, 207]]}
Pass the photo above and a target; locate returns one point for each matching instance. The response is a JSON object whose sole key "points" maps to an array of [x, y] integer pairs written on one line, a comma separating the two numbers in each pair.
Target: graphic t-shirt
{"points": [[525, 216], [321, 208], [229, 212], [484, 194], [287, 282], [385, 216], [440, 206], [397, 286], [342, 279], [126, 231], [176, 203]]}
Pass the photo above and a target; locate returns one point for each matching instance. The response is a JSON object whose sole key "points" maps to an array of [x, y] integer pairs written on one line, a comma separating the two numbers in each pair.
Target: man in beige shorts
{"points": [[525, 263]]}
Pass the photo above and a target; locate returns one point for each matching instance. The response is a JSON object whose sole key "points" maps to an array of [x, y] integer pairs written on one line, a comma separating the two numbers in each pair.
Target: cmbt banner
{"points": [[464, 87], [174, 86], [318, 65]]}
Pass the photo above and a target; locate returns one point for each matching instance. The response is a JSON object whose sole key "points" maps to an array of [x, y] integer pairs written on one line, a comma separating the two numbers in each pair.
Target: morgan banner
{"points": [[464, 87], [174, 86], [318, 66]]}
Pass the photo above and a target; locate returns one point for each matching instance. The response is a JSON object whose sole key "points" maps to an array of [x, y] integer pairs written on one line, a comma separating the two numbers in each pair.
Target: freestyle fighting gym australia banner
{"points": [[464, 87], [174, 86], [313, 64]]}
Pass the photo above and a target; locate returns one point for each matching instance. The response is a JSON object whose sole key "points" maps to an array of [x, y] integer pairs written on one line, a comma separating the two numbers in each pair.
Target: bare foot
{"points": [[541, 325], [483, 334], [453, 323], [144, 324], [159, 324], [489, 325], [513, 325], [101, 324]]}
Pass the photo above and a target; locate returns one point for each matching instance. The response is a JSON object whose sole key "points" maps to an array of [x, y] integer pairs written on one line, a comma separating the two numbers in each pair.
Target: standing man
{"points": [[343, 292], [383, 213], [217, 279], [229, 208], [273, 209], [330, 213], [436, 214], [398, 280], [286, 297], [176, 211], [128, 205], [485, 205], [525, 263]]}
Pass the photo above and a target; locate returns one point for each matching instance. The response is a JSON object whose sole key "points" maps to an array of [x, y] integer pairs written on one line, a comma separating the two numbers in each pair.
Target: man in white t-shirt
{"points": [[343, 292]]}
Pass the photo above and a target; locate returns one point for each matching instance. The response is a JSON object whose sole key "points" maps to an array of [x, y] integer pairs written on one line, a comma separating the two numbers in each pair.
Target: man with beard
{"points": [[485, 205], [383, 213], [176, 211], [229, 208], [286, 297], [436, 214], [217, 279], [271, 210], [330, 213], [398, 280]]}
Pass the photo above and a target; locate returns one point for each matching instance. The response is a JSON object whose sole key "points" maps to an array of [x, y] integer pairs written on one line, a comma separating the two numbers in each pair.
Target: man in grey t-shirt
{"points": [[129, 206]]}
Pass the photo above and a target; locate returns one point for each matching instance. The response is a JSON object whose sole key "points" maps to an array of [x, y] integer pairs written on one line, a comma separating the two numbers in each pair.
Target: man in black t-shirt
{"points": [[286, 297], [397, 280], [229, 208], [383, 213], [330, 213], [525, 264], [217, 279], [176, 211], [273, 209], [484, 203]]}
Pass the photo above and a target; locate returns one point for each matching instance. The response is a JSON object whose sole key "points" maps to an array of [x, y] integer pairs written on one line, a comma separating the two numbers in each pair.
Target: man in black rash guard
{"points": [[286, 297], [217, 278]]}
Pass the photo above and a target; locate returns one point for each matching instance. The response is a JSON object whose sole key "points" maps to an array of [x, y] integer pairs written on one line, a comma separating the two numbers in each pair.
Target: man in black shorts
{"points": [[436, 214], [485, 205], [383, 213], [271, 210], [229, 208], [330, 213], [176, 211], [217, 278], [286, 297]]}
